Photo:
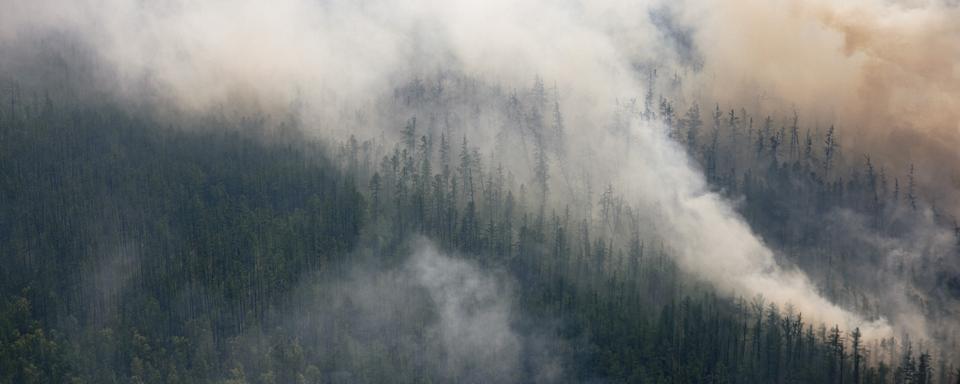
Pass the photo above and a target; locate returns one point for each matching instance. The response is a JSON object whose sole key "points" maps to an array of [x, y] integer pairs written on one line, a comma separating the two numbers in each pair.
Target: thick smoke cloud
{"points": [[885, 72], [334, 57]]}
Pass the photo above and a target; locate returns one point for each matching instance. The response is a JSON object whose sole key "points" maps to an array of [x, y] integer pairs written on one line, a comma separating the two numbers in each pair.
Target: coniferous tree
{"points": [[693, 124]]}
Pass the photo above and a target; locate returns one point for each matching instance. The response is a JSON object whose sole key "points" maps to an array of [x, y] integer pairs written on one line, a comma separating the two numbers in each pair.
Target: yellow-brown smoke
{"points": [[887, 73]]}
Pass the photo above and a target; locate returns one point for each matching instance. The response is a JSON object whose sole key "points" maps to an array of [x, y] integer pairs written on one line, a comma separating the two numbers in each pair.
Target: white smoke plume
{"points": [[453, 320], [338, 56]]}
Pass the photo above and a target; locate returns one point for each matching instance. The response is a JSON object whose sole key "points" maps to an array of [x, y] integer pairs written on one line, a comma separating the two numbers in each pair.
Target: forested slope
{"points": [[124, 239], [235, 250]]}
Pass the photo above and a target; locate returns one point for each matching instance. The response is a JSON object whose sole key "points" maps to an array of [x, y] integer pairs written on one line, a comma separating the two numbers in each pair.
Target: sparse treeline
{"points": [[137, 252]]}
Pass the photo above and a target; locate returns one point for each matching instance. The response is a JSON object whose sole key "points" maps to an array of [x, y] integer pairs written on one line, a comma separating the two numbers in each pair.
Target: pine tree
{"points": [[856, 350], [829, 150], [410, 134], [375, 188], [911, 190], [559, 131], [794, 137], [693, 124], [924, 372]]}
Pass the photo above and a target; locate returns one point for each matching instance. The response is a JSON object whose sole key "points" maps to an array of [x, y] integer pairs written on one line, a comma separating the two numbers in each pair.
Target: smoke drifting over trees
{"points": [[261, 168]]}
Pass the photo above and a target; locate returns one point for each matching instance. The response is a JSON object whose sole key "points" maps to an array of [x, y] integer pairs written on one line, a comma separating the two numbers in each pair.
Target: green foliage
{"points": [[150, 246], [28, 353]]}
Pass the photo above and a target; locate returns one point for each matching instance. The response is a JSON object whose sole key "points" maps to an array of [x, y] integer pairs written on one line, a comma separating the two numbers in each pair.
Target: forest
{"points": [[462, 193], [137, 252]]}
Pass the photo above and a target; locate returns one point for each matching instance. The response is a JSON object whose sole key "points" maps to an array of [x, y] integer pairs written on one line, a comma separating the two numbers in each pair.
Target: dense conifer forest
{"points": [[141, 252], [375, 191]]}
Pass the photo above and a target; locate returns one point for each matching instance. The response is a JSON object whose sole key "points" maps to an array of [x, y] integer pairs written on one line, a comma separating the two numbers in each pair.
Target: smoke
{"points": [[923, 305], [885, 70], [475, 320], [712, 241], [440, 315]]}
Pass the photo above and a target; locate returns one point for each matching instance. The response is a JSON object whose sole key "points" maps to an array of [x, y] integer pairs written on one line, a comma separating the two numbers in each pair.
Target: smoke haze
{"points": [[885, 72], [455, 321]]}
